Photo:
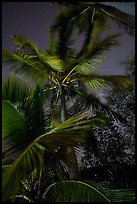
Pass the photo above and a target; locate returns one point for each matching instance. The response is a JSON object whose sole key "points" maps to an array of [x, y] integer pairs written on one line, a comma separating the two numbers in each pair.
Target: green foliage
{"points": [[120, 12], [63, 80], [73, 191], [13, 131], [113, 193], [24, 126]]}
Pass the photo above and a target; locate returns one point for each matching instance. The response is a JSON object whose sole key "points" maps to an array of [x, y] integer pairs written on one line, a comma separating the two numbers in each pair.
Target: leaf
{"points": [[29, 60], [30, 158], [73, 191], [115, 194], [15, 90], [101, 46], [91, 99], [120, 82], [122, 195], [92, 81], [13, 131], [72, 131], [54, 62]]}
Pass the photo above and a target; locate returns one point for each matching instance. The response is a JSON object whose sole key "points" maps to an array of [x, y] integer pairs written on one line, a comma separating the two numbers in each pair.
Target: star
{"points": [[10, 35]]}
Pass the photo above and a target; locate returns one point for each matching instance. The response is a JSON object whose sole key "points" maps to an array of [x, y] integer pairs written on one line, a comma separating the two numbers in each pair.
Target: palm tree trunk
{"points": [[70, 154]]}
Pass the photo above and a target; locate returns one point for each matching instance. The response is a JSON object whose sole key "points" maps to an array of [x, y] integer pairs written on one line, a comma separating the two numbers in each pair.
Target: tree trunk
{"points": [[70, 154]]}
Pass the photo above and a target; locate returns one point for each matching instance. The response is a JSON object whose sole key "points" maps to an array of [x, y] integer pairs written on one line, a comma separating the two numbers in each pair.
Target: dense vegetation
{"points": [[116, 142], [43, 126]]}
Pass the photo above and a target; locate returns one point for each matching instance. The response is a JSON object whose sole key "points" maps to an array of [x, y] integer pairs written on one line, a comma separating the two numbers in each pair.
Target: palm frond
{"points": [[54, 138], [120, 82], [23, 165], [15, 90], [30, 48], [23, 64], [21, 198], [121, 12], [92, 99], [28, 58], [101, 46], [34, 111], [88, 66], [122, 195], [52, 42], [13, 132], [73, 191], [79, 121], [28, 102], [113, 193], [93, 56], [61, 33], [125, 7], [72, 132], [96, 24]]}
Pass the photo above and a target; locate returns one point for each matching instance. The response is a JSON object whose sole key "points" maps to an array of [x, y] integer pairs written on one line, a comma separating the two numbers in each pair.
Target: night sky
{"points": [[32, 19]]}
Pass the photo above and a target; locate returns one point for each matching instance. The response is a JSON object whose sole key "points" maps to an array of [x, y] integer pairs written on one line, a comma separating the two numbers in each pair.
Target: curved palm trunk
{"points": [[70, 154]]}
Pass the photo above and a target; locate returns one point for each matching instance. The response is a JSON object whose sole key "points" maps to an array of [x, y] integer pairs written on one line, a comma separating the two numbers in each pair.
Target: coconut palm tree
{"points": [[30, 161], [123, 13], [68, 76], [29, 143]]}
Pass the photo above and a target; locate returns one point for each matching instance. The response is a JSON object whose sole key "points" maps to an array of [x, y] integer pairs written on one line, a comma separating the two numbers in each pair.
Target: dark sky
{"points": [[32, 19]]}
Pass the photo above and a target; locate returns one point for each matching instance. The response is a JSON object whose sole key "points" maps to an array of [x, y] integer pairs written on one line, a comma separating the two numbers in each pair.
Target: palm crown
{"points": [[61, 69]]}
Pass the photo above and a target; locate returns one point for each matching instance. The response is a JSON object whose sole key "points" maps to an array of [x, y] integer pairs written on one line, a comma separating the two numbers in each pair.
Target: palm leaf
{"points": [[87, 62], [22, 198], [24, 164], [29, 103], [31, 48], [92, 100], [73, 191], [122, 195], [15, 90], [120, 16], [62, 31], [99, 81], [88, 66], [115, 194], [99, 47], [34, 111], [72, 131], [23, 64], [31, 157], [121, 12], [120, 82], [28, 59], [13, 131]]}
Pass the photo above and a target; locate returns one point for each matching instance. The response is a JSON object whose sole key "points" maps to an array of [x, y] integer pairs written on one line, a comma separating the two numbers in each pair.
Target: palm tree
{"points": [[24, 163], [29, 144], [66, 75], [123, 13]]}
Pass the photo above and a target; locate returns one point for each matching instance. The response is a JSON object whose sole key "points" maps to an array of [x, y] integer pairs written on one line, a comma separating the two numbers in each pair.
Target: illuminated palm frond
{"points": [[100, 81], [121, 12], [73, 191], [91, 100], [69, 133], [27, 59]]}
